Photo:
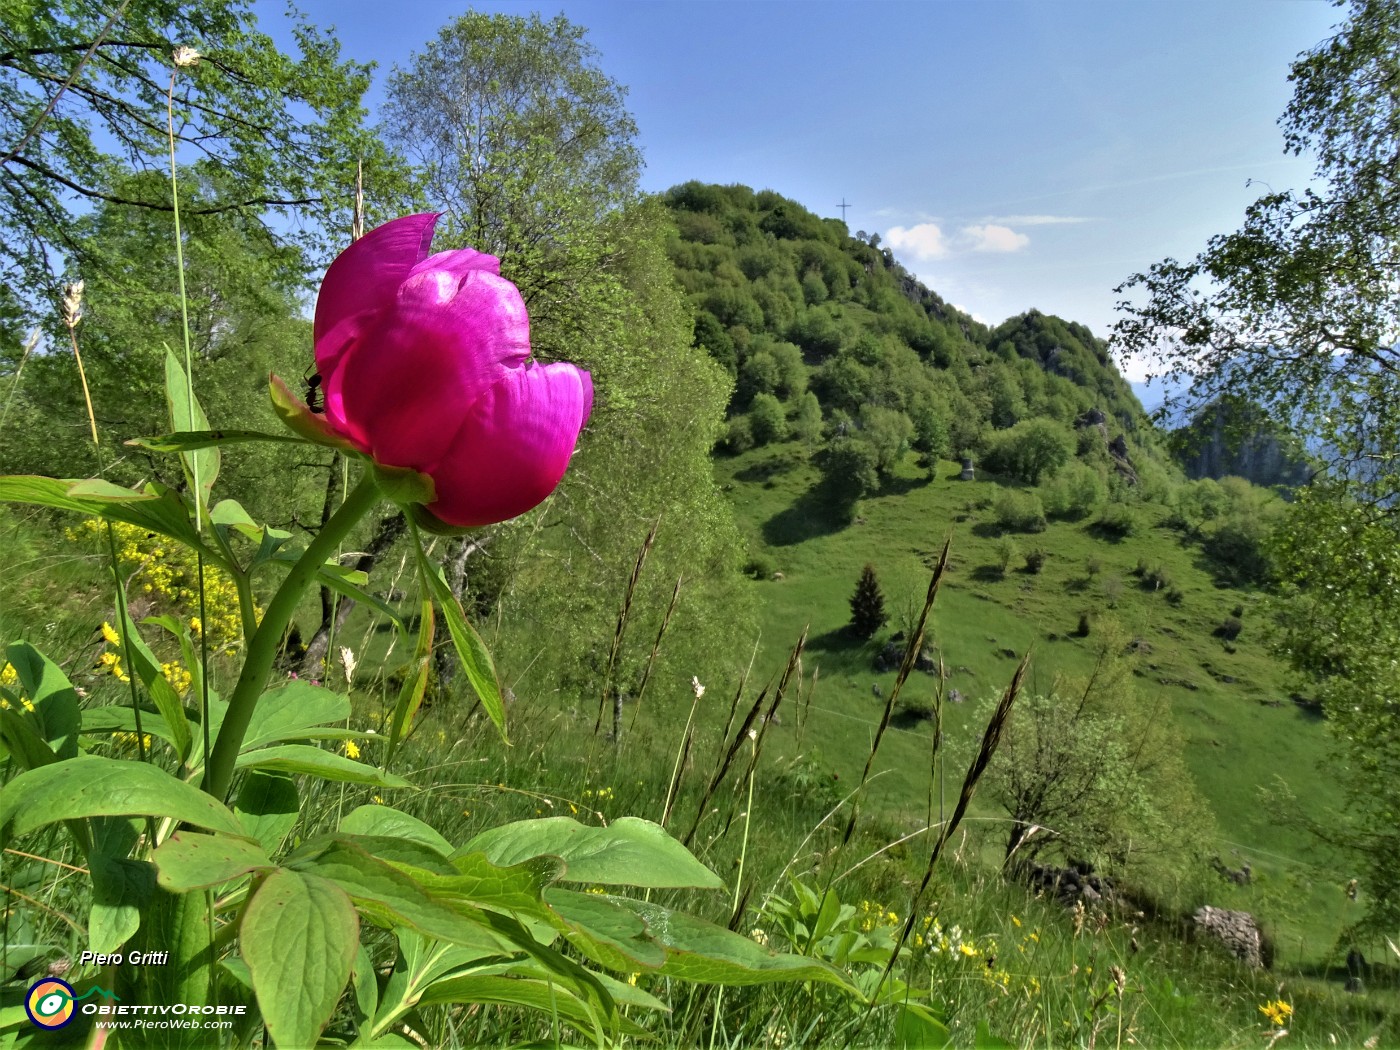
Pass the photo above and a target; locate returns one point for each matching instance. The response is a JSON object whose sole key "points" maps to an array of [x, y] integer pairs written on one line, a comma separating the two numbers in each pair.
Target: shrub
{"points": [[1019, 511], [738, 436], [760, 567], [1086, 623], [1074, 491], [1035, 560], [1154, 577], [1006, 553], [1229, 628], [1117, 521], [767, 421], [1031, 450]]}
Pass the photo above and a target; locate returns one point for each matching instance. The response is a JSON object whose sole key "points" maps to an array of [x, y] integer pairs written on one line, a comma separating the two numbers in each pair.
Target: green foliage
{"points": [[1295, 312], [274, 130], [867, 605], [888, 432], [1018, 511], [1093, 772], [1030, 451], [849, 470], [767, 420], [1074, 492]]}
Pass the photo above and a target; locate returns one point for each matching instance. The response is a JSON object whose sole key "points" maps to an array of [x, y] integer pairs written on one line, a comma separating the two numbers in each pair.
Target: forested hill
{"points": [[827, 334]]}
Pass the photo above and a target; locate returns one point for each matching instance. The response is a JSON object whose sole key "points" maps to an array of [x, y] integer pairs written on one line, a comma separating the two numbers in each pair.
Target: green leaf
{"points": [[120, 889], [629, 852], [190, 861], [299, 937], [55, 714], [546, 997], [984, 1039], [389, 897], [415, 682], [22, 740], [306, 758], [300, 420], [186, 411], [403, 485], [287, 711], [388, 821], [701, 951], [918, 1028], [477, 882], [366, 985], [610, 935], [155, 509], [193, 440], [162, 693], [471, 650], [113, 719], [268, 807], [229, 515], [91, 786]]}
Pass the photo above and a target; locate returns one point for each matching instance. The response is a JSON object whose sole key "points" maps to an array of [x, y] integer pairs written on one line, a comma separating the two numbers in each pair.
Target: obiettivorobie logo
{"points": [[50, 1002]]}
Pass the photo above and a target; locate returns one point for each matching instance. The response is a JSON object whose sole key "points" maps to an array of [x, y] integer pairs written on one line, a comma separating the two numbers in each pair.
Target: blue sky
{"points": [[1014, 155]]}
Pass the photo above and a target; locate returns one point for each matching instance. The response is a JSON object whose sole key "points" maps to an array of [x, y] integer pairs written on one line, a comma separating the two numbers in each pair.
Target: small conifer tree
{"points": [[867, 605]]}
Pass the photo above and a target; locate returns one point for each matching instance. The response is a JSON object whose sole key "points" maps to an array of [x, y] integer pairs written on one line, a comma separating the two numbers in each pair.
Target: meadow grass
{"points": [[999, 963]]}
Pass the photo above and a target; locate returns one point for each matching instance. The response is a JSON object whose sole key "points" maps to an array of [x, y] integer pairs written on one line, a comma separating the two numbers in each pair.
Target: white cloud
{"points": [[993, 238], [924, 241]]}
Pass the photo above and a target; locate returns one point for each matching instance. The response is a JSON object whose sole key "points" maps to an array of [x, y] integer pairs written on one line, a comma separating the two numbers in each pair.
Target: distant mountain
{"points": [[1233, 438], [827, 336]]}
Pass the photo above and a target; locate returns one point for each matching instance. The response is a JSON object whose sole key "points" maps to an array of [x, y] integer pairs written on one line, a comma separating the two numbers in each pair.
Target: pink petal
{"points": [[460, 260], [365, 277], [403, 385], [514, 445]]}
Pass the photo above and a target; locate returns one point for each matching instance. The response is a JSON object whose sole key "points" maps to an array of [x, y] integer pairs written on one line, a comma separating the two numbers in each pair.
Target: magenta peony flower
{"points": [[424, 363]]}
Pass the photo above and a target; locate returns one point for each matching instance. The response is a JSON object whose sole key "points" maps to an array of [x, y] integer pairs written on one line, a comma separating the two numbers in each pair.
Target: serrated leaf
{"points": [[121, 887], [388, 821], [299, 937], [628, 852], [91, 786], [189, 861], [305, 758]]}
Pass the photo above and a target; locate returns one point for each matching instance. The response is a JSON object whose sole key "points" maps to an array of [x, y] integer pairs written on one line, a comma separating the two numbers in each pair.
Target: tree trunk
{"points": [[388, 530]]}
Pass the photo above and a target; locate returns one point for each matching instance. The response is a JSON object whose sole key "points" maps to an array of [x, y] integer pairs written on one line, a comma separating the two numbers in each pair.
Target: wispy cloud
{"points": [[993, 238], [1038, 220]]}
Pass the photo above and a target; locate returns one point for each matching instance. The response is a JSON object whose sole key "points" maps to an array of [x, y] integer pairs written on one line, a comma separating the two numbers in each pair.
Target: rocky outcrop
{"points": [[1238, 931], [1235, 439]]}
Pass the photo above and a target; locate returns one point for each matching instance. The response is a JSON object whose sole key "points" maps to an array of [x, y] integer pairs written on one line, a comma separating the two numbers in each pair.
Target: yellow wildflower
{"points": [[1278, 1012], [28, 705], [352, 749], [8, 675], [970, 950]]}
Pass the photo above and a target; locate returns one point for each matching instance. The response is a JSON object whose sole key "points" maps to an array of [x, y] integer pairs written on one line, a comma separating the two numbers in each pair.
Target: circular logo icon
{"points": [[50, 1003]]}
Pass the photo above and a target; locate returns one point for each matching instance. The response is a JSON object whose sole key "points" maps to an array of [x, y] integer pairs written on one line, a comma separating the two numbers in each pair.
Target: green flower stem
{"points": [[262, 650]]}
